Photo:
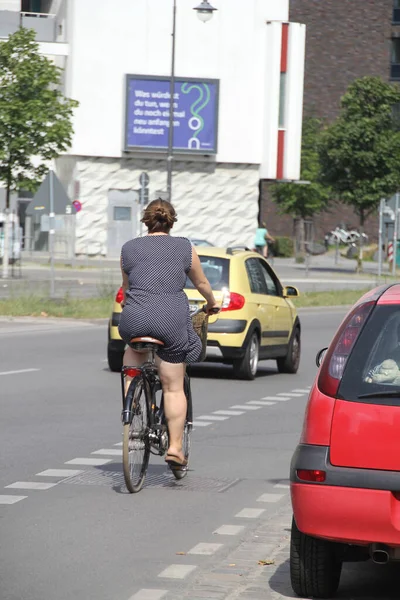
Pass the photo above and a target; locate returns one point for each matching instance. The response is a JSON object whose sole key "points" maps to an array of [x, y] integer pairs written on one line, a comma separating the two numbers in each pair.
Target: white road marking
{"points": [[229, 529], [201, 424], [110, 451], [276, 398], [11, 499], [31, 485], [229, 413], [205, 549], [301, 391], [19, 371], [58, 473], [212, 418], [270, 498], [94, 462], [290, 394], [282, 486], [250, 513], [246, 407], [261, 402], [147, 594], [177, 571], [119, 444]]}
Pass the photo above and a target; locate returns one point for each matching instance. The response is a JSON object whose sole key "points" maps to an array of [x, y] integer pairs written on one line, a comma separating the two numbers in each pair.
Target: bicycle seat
{"points": [[145, 343]]}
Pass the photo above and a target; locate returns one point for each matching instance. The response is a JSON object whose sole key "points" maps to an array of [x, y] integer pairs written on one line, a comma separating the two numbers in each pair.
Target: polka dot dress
{"points": [[156, 306]]}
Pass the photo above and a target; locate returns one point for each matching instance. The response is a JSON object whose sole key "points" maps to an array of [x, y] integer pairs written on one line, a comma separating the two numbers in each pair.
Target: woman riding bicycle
{"points": [[154, 270]]}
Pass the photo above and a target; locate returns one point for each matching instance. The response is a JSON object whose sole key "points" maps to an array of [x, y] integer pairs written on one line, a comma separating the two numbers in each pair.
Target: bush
{"points": [[284, 247]]}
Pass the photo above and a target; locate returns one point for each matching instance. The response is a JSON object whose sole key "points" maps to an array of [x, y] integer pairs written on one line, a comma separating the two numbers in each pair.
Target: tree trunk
{"points": [[300, 236], [6, 227]]}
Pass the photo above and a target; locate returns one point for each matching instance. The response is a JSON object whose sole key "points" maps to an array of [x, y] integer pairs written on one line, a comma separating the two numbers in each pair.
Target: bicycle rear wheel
{"points": [[180, 473], [136, 443]]}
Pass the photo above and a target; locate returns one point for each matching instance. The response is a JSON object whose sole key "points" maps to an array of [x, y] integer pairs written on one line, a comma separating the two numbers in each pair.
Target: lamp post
{"points": [[204, 12]]}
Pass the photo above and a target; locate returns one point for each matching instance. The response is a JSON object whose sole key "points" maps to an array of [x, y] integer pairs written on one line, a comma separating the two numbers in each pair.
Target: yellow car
{"points": [[257, 320]]}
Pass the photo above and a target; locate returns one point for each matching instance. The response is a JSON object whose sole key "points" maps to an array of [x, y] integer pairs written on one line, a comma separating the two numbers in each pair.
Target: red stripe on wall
{"points": [[284, 51], [281, 154]]}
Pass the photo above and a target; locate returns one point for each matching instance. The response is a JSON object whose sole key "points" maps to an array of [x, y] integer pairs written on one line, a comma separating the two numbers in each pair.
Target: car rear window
{"points": [[216, 270], [372, 373]]}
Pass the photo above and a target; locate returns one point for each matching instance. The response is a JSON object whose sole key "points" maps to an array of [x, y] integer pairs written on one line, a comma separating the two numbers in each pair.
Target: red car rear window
{"points": [[372, 372]]}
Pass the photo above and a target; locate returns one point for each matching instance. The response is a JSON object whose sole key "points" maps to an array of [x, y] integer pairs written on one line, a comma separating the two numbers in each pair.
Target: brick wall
{"points": [[346, 39]]}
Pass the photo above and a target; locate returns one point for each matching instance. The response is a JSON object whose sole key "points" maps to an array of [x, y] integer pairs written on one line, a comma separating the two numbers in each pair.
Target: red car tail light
{"points": [[335, 360], [315, 476], [120, 296], [232, 301]]}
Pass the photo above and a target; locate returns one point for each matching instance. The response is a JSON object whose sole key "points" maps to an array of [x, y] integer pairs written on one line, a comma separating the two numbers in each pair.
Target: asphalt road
{"points": [[82, 537]]}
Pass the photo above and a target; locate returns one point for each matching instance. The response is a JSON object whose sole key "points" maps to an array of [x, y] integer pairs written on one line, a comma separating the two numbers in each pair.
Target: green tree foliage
{"points": [[360, 151], [35, 117]]}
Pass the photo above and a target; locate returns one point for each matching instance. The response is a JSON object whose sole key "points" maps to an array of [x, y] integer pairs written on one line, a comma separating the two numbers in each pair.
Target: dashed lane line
{"points": [[246, 407], [282, 486], [205, 549], [212, 418], [119, 444], [108, 451], [229, 413], [270, 497], [229, 530], [177, 571], [261, 403], [148, 594], [30, 485], [301, 391], [201, 423], [276, 398], [19, 371], [290, 394], [11, 499], [63, 473], [93, 462], [250, 513]]}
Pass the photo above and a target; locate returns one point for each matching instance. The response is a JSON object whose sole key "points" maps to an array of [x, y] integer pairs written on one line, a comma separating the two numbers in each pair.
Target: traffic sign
{"points": [[78, 205], [144, 179]]}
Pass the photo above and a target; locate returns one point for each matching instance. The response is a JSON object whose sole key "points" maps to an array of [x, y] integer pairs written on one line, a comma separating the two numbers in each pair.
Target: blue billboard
{"points": [[195, 114]]}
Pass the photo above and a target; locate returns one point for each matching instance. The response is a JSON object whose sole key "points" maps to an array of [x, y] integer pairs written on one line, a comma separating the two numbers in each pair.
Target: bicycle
{"points": [[145, 429]]}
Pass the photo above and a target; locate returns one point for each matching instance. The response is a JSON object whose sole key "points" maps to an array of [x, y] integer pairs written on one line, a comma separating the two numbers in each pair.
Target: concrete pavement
{"points": [[68, 528]]}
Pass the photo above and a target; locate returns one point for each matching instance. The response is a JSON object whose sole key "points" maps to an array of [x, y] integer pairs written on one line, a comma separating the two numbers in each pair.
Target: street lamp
{"points": [[204, 12]]}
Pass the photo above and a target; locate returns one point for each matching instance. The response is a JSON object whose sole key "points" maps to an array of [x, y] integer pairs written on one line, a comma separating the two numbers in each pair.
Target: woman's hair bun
{"points": [[159, 216]]}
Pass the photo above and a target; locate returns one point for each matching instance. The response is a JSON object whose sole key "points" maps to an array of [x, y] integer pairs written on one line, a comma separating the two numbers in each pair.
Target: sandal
{"points": [[174, 462]]}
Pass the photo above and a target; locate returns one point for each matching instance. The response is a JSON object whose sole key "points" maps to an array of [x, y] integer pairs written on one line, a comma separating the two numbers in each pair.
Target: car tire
{"points": [[246, 367], [115, 359], [290, 362], [315, 566]]}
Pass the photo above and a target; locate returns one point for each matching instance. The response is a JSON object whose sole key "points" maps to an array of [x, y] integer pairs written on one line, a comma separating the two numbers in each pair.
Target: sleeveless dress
{"points": [[156, 305]]}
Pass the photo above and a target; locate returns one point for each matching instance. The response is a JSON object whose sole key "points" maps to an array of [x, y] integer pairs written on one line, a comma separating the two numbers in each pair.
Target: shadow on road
{"points": [[359, 581], [209, 370]]}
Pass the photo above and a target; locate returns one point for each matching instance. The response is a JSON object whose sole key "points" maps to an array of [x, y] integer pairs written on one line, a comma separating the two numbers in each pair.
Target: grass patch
{"points": [[74, 308], [334, 298]]}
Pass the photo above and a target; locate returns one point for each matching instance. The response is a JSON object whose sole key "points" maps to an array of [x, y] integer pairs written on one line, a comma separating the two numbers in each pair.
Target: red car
{"points": [[345, 472]]}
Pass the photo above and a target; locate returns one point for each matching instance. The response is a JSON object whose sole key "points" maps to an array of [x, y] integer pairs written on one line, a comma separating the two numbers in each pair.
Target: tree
{"points": [[306, 199], [35, 118], [360, 151]]}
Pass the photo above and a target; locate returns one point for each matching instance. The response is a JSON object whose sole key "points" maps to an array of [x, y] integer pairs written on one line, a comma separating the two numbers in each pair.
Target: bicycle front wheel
{"points": [[136, 443]]}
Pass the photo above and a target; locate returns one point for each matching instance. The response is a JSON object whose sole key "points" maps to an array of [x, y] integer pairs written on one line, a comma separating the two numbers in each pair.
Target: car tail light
{"points": [[315, 476], [232, 301], [335, 360], [120, 296]]}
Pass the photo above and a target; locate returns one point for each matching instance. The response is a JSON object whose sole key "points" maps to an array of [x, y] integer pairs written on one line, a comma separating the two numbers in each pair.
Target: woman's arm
{"points": [[201, 283], [125, 284]]}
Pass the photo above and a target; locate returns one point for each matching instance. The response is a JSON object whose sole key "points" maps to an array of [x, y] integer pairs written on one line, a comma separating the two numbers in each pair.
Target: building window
{"points": [[395, 61], [122, 213], [396, 12]]}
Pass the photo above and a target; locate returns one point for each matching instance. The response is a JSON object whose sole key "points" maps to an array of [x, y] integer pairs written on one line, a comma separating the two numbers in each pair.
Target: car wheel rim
{"points": [[253, 355], [296, 350]]}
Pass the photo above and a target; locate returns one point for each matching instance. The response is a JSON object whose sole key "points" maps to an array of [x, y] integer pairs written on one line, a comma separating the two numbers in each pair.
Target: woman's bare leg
{"points": [[133, 359], [175, 404]]}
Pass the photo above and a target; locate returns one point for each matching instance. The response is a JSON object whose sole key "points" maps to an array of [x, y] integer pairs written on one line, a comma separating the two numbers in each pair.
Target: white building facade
{"points": [[237, 112]]}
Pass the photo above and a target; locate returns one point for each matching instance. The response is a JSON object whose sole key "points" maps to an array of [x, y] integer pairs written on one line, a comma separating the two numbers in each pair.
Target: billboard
{"points": [[195, 114]]}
